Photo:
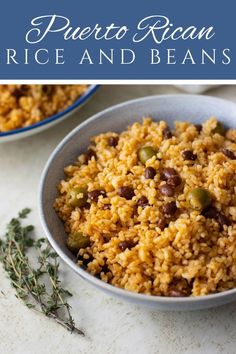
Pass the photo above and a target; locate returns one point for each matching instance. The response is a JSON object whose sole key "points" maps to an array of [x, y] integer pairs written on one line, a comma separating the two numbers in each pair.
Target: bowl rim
{"points": [[79, 101], [121, 292]]}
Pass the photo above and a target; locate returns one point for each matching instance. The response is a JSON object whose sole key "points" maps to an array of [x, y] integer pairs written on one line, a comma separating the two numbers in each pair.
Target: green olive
{"points": [[77, 241], [219, 129], [77, 197], [199, 198], [145, 153]]}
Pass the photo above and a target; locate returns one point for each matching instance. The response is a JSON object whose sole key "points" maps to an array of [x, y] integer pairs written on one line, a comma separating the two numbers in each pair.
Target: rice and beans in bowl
{"points": [[153, 210], [24, 105]]}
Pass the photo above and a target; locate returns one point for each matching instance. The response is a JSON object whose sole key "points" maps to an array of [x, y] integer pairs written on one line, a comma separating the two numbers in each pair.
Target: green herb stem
{"points": [[32, 284]]}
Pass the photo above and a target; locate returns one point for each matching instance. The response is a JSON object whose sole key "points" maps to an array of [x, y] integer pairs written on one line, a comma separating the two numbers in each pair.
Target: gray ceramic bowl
{"points": [[170, 108]]}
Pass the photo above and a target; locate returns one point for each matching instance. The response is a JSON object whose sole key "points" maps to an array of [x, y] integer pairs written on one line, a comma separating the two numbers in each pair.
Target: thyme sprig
{"points": [[36, 282]]}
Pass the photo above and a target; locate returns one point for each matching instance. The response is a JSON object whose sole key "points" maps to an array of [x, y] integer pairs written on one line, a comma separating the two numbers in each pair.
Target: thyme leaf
{"points": [[35, 282]]}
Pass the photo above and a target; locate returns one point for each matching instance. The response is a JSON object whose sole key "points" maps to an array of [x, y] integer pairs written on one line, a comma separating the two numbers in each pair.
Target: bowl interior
{"points": [[170, 108]]}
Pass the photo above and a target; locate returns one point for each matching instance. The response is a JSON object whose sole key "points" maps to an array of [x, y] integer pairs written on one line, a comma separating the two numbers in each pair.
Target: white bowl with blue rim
{"points": [[50, 121], [193, 108]]}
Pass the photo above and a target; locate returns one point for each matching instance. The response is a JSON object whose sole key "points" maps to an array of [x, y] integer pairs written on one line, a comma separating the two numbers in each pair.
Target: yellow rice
{"points": [[24, 105], [192, 252]]}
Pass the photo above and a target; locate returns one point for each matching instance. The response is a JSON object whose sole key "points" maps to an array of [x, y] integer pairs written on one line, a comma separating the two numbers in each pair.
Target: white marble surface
{"points": [[111, 326]]}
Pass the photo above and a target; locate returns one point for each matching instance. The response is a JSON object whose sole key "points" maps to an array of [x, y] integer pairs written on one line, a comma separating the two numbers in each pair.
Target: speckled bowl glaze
{"points": [[170, 108], [50, 121]]}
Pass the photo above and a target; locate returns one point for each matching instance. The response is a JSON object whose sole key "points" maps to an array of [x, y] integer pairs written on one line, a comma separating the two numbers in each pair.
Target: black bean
{"points": [[210, 213], [47, 89], [169, 172], [162, 223], [186, 286], [198, 127], [126, 192], [17, 93], [88, 155], [20, 91], [123, 245], [87, 206], [213, 213], [177, 293], [135, 211], [94, 195], [223, 220], [174, 181], [170, 208], [171, 176], [113, 141], [189, 155], [167, 190], [167, 133], [150, 173], [228, 153], [143, 201], [106, 206]]}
